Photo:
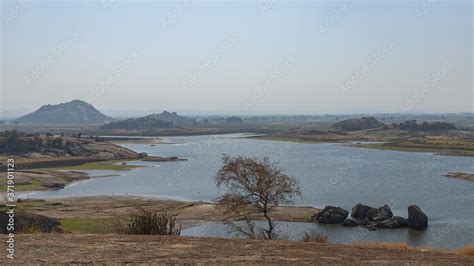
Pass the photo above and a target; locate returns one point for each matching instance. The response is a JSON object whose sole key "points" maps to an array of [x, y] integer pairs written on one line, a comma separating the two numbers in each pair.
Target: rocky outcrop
{"points": [[373, 218], [361, 211], [21, 144], [393, 222], [417, 218], [350, 222], [331, 215], [382, 213], [154, 121], [357, 124]]}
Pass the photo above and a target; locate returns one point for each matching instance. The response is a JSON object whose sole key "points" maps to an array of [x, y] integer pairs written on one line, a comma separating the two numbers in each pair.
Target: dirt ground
{"points": [[115, 249], [189, 213]]}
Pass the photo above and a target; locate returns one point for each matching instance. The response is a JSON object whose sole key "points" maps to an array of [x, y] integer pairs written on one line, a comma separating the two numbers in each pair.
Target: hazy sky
{"points": [[245, 57]]}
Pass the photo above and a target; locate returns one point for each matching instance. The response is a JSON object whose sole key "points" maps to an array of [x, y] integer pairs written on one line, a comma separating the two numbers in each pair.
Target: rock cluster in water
{"points": [[371, 218]]}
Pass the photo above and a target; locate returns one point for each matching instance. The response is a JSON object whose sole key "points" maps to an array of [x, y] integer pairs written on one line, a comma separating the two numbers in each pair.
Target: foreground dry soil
{"points": [[113, 249]]}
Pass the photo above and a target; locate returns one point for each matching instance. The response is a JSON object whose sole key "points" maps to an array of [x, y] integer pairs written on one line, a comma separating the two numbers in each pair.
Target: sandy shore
{"points": [[115, 249]]}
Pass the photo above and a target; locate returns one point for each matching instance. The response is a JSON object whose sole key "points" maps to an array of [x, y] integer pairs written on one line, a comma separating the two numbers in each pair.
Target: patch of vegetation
{"points": [[89, 225], [397, 246], [153, 223], [114, 165], [35, 185], [467, 250]]}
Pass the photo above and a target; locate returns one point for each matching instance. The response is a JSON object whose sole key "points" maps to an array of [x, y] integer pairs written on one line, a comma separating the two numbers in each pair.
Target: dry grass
{"points": [[386, 245], [398, 246], [314, 237], [467, 250]]}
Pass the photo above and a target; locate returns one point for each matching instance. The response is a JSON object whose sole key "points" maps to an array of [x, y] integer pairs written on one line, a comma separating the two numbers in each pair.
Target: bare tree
{"points": [[255, 184]]}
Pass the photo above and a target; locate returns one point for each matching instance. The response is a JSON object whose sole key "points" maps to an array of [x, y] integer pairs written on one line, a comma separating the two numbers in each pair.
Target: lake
{"points": [[329, 174]]}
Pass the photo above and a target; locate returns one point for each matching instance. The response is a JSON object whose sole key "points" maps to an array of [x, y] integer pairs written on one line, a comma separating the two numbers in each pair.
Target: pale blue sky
{"points": [[242, 56]]}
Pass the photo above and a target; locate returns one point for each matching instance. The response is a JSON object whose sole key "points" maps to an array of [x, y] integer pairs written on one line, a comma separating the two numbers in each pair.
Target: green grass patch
{"points": [[35, 185], [115, 165], [89, 225]]}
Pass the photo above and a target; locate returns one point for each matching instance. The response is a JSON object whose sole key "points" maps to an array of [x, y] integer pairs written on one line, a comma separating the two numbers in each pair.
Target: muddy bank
{"points": [[36, 180]]}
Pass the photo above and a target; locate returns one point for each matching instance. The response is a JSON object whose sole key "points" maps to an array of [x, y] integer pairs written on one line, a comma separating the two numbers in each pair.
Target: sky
{"points": [[246, 57]]}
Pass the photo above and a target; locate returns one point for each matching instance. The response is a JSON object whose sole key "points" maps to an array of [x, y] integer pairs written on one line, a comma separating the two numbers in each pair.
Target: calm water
{"points": [[330, 174]]}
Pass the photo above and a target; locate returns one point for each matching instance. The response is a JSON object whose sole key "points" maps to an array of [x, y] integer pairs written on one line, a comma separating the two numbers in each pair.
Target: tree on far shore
{"points": [[254, 185]]}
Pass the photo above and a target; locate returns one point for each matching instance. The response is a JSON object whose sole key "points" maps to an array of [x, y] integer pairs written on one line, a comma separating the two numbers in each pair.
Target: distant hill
{"points": [[425, 126], [153, 121], [357, 124], [73, 112]]}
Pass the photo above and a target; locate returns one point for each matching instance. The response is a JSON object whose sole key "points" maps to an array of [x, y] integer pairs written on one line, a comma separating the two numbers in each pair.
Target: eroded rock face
{"points": [[331, 215], [416, 218]]}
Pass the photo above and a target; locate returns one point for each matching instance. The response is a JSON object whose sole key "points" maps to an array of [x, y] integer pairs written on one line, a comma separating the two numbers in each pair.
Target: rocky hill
{"points": [[357, 124], [153, 121], [73, 112], [21, 144]]}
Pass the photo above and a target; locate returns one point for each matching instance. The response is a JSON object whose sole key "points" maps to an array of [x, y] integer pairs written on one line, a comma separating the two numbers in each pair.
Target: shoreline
{"points": [[390, 146], [43, 177], [97, 212]]}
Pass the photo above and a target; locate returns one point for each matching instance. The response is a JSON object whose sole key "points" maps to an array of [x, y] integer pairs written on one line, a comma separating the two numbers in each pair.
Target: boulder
{"points": [[383, 213], [361, 211], [332, 215], [416, 218], [392, 222], [350, 222], [369, 224]]}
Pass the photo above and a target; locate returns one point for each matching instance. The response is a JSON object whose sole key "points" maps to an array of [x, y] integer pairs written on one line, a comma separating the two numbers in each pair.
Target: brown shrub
{"points": [[152, 223]]}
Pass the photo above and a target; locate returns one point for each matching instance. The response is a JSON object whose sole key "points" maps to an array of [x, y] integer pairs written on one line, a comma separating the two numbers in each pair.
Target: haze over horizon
{"points": [[239, 57]]}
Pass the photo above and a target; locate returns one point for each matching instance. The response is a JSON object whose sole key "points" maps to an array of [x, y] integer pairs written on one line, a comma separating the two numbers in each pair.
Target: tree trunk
{"points": [[270, 223]]}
